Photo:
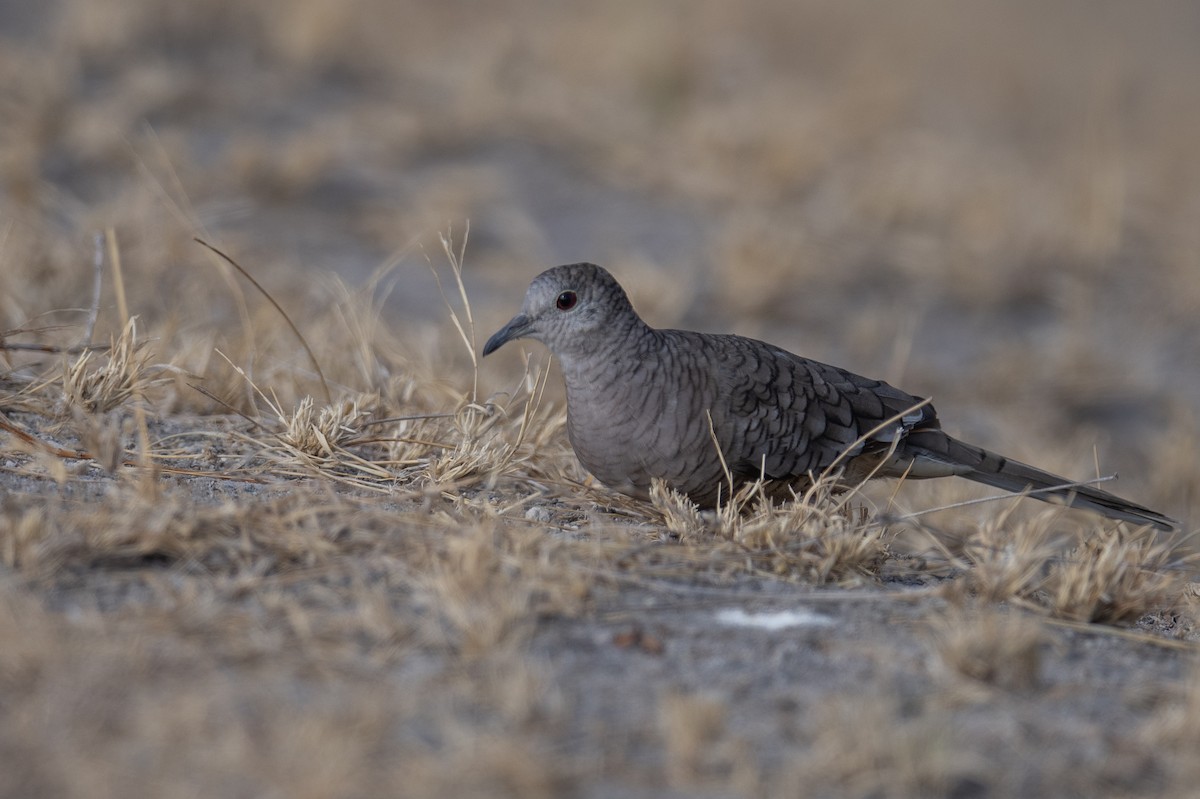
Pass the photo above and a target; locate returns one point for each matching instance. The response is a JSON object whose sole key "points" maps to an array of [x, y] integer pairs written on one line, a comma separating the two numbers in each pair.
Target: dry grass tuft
{"points": [[814, 538], [700, 752], [487, 593], [993, 648], [1175, 728], [871, 746], [320, 441], [1004, 558], [480, 450], [123, 376], [319, 433], [1111, 575], [25, 535], [1116, 577]]}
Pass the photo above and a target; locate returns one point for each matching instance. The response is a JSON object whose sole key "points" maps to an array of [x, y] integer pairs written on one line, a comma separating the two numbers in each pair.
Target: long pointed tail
{"points": [[990, 468]]}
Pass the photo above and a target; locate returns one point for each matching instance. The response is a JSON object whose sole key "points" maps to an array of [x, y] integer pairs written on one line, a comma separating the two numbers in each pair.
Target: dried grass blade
{"points": [[312, 358]]}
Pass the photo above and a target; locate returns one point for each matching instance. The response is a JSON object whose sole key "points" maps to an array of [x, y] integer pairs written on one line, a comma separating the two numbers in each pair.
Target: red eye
{"points": [[566, 301]]}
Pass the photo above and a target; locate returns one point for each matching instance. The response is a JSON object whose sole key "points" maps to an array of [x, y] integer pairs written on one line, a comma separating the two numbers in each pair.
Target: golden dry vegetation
{"points": [[268, 527]]}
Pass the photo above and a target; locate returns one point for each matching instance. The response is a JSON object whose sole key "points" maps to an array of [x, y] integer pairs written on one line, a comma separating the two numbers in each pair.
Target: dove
{"points": [[708, 413]]}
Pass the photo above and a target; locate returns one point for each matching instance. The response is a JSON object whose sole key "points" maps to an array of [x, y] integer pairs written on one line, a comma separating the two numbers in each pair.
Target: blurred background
{"points": [[993, 203]]}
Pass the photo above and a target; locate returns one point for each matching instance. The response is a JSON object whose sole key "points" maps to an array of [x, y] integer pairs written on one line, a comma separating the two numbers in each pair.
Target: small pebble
{"points": [[538, 513]]}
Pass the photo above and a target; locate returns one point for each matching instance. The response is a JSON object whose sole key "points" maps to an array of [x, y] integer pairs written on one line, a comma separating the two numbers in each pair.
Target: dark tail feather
{"points": [[989, 468]]}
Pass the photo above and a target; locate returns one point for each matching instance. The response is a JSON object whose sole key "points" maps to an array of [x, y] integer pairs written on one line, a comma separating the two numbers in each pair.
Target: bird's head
{"points": [[572, 309]]}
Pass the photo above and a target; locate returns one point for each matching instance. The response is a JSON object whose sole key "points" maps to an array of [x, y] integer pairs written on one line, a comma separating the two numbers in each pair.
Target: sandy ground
{"points": [[341, 665]]}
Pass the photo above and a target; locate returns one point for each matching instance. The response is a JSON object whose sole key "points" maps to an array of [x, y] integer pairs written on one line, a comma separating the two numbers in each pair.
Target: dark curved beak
{"points": [[517, 327]]}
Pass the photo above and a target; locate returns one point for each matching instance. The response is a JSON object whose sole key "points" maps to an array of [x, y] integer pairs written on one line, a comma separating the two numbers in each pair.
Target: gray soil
{"points": [[651, 683]]}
